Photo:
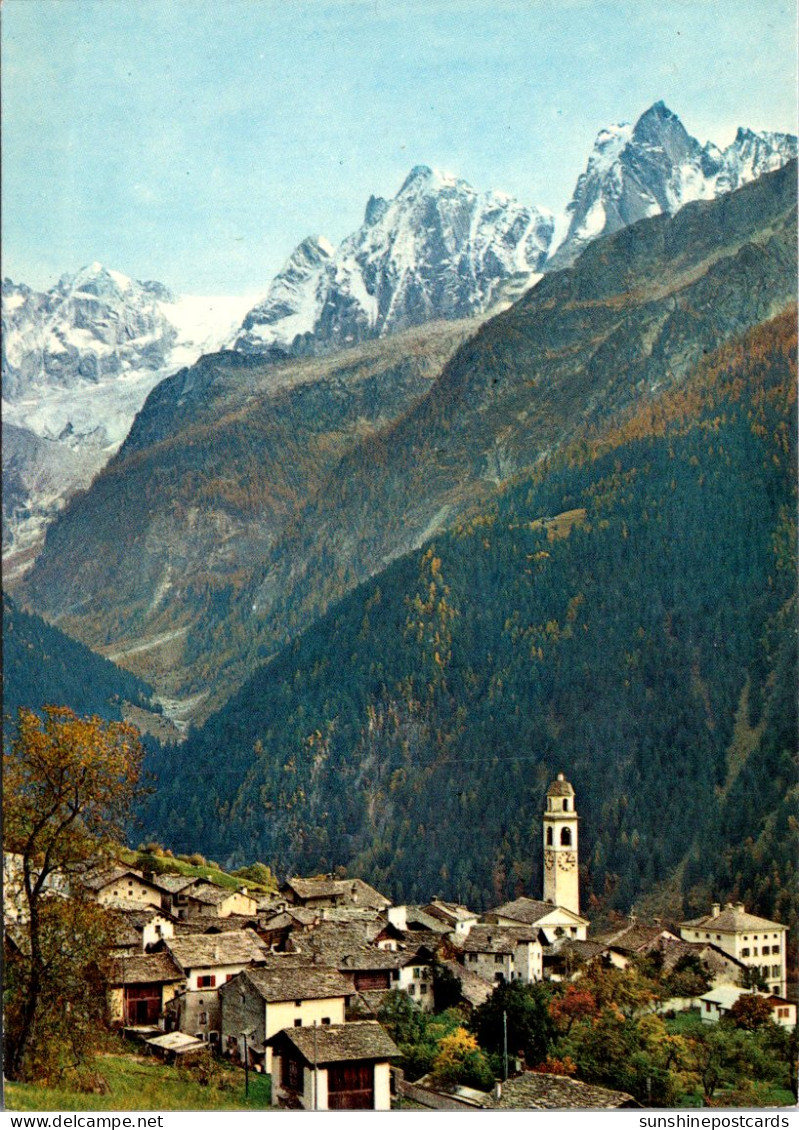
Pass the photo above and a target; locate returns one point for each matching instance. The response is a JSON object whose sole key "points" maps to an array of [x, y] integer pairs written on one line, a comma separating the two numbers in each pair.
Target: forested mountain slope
{"points": [[635, 313], [623, 614], [248, 499], [218, 461], [43, 666]]}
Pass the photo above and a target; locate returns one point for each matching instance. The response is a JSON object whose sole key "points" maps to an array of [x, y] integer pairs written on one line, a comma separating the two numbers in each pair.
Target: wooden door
{"points": [[350, 1086]]}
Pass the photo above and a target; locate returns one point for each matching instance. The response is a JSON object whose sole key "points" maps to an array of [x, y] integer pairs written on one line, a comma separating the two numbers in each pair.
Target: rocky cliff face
{"points": [[655, 166], [78, 362], [439, 249]]}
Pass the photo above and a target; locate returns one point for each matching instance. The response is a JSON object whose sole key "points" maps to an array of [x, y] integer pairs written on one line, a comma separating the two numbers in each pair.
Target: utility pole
{"points": [[245, 1036], [314, 1065], [246, 1068], [505, 1043]]}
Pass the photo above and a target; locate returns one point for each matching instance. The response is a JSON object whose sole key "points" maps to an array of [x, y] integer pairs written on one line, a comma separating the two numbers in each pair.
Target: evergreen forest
{"points": [[625, 614]]}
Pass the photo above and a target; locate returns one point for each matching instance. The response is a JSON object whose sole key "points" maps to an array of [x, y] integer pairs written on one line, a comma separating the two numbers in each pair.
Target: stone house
{"points": [[205, 899], [340, 1067], [122, 886], [376, 971], [457, 919], [140, 929], [504, 953], [261, 1002], [208, 961], [140, 987], [326, 891]]}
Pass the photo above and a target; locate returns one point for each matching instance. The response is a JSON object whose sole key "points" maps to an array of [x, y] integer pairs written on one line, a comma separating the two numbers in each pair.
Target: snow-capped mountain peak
{"points": [[656, 166], [438, 249], [77, 363]]}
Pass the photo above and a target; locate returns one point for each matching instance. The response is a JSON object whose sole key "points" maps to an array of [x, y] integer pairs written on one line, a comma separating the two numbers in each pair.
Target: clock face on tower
{"points": [[567, 861], [549, 860]]}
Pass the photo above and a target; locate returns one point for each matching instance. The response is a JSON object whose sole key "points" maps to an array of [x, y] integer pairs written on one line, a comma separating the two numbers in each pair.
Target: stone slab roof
{"points": [[176, 883], [475, 990], [97, 880], [340, 1043], [497, 939], [528, 911], [300, 983], [635, 938], [372, 958], [353, 891], [582, 950], [235, 947], [176, 1042], [531, 1091], [425, 921], [449, 911], [145, 969], [734, 919]]}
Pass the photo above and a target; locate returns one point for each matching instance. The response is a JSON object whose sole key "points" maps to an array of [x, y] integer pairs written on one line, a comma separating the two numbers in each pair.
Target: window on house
{"points": [[298, 1004], [395, 974], [549, 837], [417, 973], [207, 981], [412, 990], [203, 1018], [775, 949], [765, 949], [707, 1006], [497, 959], [424, 988], [298, 1023], [573, 931], [754, 951], [775, 970], [565, 805], [565, 837], [745, 952], [325, 1019], [228, 978]]}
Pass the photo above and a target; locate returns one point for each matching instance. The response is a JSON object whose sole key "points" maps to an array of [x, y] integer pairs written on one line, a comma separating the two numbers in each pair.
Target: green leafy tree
{"points": [[446, 987], [68, 786], [530, 1026], [717, 1056], [750, 1012], [460, 1060]]}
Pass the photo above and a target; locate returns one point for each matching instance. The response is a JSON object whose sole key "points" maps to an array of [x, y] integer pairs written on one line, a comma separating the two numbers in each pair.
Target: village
{"points": [[290, 984]]}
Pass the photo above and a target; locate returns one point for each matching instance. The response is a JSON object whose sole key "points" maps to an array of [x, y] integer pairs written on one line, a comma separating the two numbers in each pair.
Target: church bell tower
{"points": [[561, 876]]}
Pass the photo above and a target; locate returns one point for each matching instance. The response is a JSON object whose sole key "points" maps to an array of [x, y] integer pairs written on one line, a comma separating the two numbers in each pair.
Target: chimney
{"points": [[715, 910], [561, 777]]}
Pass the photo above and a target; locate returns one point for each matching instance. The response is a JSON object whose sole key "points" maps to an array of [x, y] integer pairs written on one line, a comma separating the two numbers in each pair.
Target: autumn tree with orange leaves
{"points": [[68, 787]]}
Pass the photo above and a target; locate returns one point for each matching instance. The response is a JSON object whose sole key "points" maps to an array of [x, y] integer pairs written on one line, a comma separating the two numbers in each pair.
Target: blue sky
{"points": [[198, 141]]}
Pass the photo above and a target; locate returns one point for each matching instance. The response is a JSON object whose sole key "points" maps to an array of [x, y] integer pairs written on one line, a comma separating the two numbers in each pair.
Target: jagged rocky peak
{"points": [[438, 249], [655, 166]]}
